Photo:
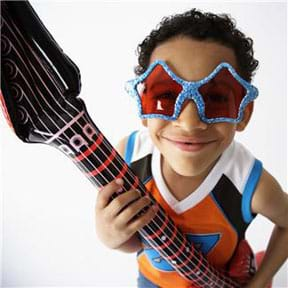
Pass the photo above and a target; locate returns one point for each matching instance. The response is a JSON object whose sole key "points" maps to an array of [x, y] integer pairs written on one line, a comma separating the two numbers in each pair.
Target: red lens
{"points": [[158, 92], [222, 95]]}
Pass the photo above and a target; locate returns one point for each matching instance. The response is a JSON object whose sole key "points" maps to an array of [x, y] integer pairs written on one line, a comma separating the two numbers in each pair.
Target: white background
{"points": [[47, 216]]}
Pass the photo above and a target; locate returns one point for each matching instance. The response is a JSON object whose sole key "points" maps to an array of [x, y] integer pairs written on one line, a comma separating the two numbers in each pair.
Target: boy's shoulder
{"points": [[269, 198]]}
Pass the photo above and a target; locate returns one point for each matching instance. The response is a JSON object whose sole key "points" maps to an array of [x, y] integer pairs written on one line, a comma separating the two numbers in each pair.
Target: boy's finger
{"points": [[104, 195], [124, 200], [143, 220], [133, 209]]}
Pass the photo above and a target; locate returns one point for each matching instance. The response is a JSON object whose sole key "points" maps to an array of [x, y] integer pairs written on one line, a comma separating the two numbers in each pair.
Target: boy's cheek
{"points": [[225, 133]]}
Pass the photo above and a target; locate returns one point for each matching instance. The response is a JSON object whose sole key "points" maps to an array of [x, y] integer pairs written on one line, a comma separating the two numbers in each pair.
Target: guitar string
{"points": [[71, 116], [58, 115]]}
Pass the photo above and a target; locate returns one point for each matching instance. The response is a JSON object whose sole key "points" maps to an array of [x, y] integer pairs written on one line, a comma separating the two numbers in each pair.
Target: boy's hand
{"points": [[115, 222]]}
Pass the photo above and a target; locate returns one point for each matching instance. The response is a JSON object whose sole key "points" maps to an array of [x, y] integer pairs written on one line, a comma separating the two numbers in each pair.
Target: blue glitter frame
{"points": [[190, 91]]}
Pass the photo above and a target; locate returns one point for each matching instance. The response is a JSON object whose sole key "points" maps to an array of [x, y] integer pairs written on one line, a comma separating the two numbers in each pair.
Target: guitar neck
{"points": [[84, 143]]}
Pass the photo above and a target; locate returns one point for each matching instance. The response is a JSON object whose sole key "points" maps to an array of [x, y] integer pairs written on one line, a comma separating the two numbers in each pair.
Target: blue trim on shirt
{"points": [[249, 191], [143, 282], [147, 180], [130, 147]]}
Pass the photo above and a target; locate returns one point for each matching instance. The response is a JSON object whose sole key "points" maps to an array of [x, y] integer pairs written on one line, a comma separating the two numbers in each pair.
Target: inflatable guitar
{"points": [[40, 85]]}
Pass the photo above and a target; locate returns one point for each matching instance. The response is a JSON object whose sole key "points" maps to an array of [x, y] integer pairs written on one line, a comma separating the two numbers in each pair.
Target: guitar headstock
{"points": [[39, 83]]}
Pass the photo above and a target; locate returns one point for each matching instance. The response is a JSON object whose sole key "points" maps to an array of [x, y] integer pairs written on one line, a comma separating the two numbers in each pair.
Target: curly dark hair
{"points": [[201, 26]]}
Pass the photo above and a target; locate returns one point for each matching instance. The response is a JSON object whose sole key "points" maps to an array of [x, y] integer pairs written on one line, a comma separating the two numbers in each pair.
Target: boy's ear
{"points": [[246, 117], [144, 122]]}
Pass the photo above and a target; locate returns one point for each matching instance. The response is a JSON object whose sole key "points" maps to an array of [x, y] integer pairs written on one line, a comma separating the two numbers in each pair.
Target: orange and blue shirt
{"points": [[214, 217]]}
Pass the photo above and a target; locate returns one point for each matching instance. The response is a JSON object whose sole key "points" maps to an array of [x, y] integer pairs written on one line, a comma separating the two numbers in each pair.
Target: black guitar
{"points": [[40, 87]]}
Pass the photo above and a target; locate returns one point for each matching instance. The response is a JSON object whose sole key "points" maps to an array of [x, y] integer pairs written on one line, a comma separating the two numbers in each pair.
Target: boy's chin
{"points": [[192, 170]]}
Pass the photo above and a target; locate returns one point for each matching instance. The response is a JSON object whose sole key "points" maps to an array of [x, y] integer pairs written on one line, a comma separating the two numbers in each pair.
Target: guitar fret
{"points": [[103, 166], [90, 150], [123, 172], [182, 250], [65, 127], [135, 185], [167, 237], [157, 231]]}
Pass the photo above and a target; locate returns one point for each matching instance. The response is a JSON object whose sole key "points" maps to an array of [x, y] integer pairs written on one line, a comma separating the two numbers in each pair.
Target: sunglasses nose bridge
{"points": [[191, 91]]}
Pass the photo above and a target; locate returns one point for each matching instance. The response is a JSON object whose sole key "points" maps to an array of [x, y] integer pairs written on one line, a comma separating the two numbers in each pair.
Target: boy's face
{"points": [[189, 146]]}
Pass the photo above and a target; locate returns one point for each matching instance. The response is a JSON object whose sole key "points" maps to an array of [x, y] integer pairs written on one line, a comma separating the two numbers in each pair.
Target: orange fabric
{"points": [[163, 279]]}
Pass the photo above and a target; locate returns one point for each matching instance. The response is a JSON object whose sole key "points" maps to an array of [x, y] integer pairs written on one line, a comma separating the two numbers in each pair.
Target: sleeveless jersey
{"points": [[214, 217]]}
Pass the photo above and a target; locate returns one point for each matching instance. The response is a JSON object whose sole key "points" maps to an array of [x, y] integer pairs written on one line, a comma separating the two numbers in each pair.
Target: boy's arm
{"points": [[271, 201]]}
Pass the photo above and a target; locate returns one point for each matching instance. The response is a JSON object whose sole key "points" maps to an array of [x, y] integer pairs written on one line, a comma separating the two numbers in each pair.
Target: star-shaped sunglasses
{"points": [[220, 97]]}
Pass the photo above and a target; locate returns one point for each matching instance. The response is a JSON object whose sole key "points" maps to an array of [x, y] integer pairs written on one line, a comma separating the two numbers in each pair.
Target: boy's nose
{"points": [[189, 118]]}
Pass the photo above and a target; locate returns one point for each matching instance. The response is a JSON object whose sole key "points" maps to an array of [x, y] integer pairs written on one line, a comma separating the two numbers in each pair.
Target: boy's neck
{"points": [[182, 186]]}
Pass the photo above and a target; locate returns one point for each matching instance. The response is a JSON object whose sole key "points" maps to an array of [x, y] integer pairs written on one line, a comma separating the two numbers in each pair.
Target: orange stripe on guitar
{"points": [[170, 240], [104, 165], [122, 172], [182, 249], [136, 183], [90, 149], [160, 230], [198, 268]]}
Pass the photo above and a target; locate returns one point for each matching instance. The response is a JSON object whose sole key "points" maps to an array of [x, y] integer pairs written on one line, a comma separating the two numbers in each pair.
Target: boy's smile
{"points": [[189, 144], [191, 147]]}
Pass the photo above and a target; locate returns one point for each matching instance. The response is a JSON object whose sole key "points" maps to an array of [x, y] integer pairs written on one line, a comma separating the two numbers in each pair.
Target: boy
{"points": [[211, 186]]}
